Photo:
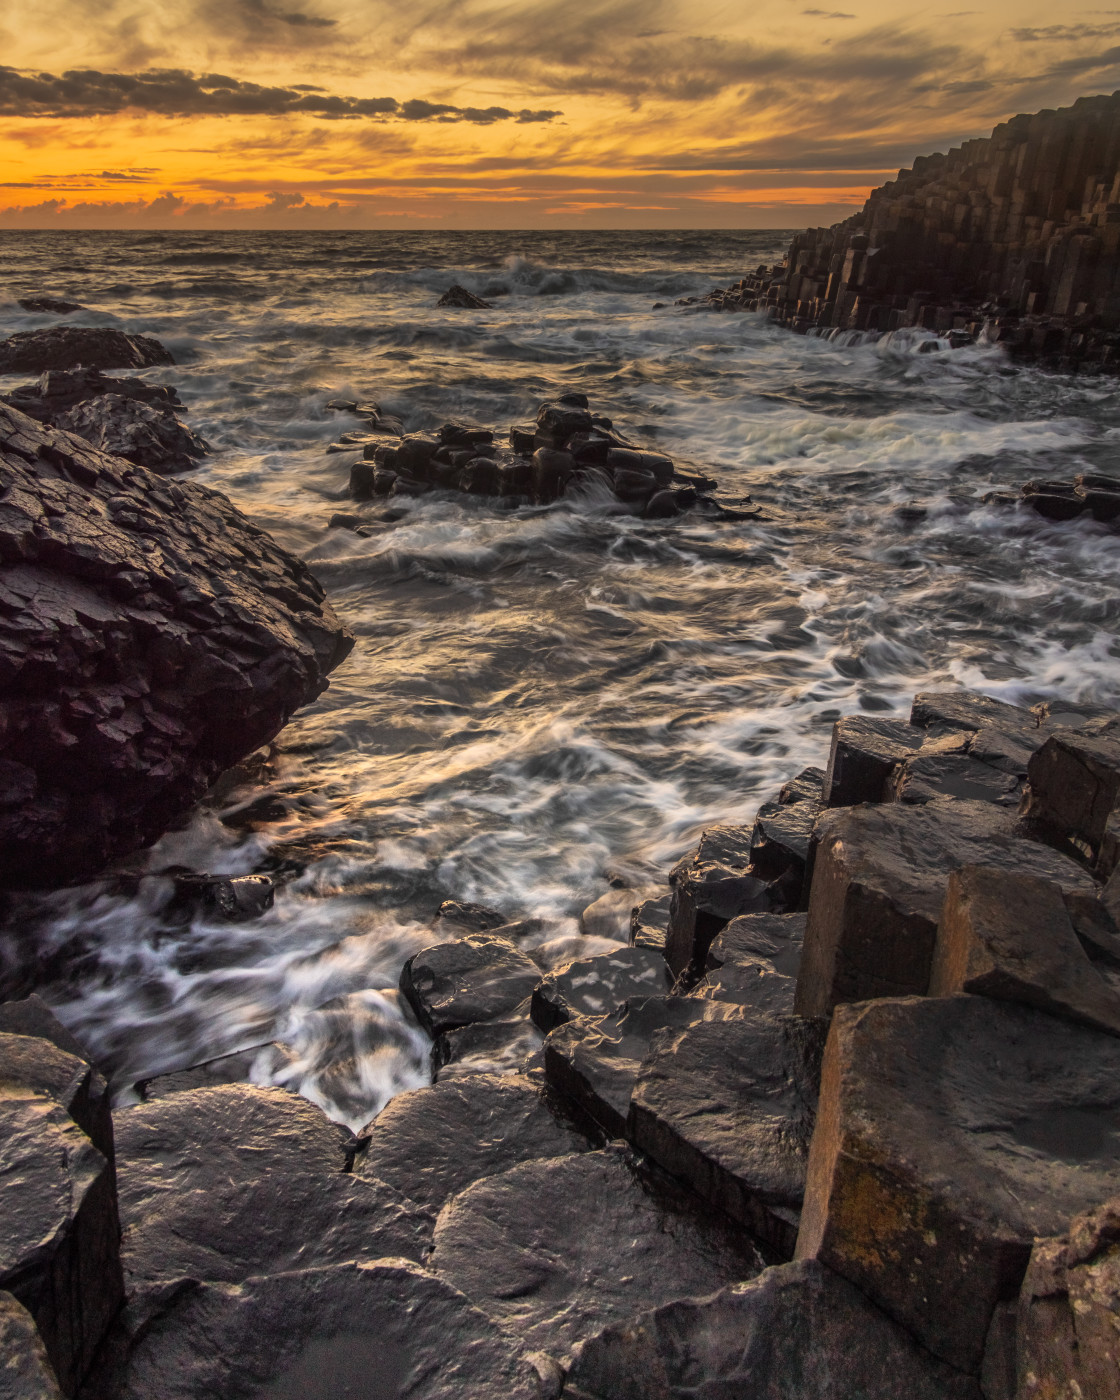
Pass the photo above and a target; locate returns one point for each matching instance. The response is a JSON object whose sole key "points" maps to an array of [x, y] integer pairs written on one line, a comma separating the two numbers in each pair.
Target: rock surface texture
{"points": [[150, 637], [74, 347]]}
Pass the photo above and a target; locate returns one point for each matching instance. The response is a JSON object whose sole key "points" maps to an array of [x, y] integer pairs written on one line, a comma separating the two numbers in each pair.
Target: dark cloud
{"points": [[1067, 33], [173, 92], [828, 14], [1090, 63]]}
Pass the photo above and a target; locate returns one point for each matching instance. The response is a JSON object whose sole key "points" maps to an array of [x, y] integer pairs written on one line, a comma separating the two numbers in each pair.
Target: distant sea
{"points": [[544, 697]]}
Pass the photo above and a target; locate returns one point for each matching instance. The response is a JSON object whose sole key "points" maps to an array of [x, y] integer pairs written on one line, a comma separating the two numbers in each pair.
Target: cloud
{"points": [[173, 92], [828, 14], [1065, 33]]}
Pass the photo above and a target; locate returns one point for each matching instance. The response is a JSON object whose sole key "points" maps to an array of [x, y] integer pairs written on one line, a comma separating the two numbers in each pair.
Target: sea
{"points": [[548, 701]]}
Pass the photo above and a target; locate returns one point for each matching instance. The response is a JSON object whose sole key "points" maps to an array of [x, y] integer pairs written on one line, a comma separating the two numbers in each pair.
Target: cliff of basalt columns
{"points": [[1014, 239]]}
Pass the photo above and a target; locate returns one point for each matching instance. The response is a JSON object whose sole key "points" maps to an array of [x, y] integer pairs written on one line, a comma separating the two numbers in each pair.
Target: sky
{"points": [[524, 114]]}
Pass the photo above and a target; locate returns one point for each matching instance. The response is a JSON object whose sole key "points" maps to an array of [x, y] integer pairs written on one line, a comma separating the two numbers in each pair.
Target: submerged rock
{"points": [[151, 636], [460, 297], [59, 305], [68, 347]]}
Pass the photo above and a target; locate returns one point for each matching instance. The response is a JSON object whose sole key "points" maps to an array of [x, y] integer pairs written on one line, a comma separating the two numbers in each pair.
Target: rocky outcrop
{"points": [[150, 637], [460, 297], [75, 347], [59, 306], [1014, 238]]}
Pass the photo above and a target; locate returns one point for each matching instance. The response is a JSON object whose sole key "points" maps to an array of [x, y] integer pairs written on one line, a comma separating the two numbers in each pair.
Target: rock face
{"points": [[950, 1133], [150, 637], [73, 347], [540, 1249], [1015, 237], [25, 1370], [794, 1332]]}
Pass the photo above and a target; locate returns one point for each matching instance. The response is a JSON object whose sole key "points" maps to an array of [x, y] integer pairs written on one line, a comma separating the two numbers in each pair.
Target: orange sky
{"points": [[525, 114]]}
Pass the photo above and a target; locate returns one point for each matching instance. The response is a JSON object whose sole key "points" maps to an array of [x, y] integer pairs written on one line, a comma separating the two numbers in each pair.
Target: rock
{"points": [[775, 937], [1068, 1306], [795, 1332], [649, 923], [373, 1329], [236, 1180], [42, 1068], [59, 390], [223, 1069], [464, 917], [74, 347], [751, 982], [489, 1047], [1056, 500], [611, 914], [459, 297], [1074, 780], [559, 419], [950, 1133], [864, 751], [806, 786], [879, 881], [32, 1016], [477, 978], [1008, 935], [59, 305], [145, 612], [230, 898], [554, 1250], [924, 777], [597, 985], [147, 434], [728, 1107], [431, 1143], [25, 1369], [780, 845], [941, 711], [711, 886], [59, 1229]]}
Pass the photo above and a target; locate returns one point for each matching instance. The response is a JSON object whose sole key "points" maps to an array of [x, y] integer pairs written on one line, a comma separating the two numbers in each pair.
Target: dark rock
{"points": [[928, 776], [459, 297], [59, 1230], [807, 786], [1095, 928], [950, 1133], [552, 471], [148, 434], [1008, 935], [590, 448], [481, 477], [25, 1372], [236, 1180], [361, 484], [879, 881], [775, 937], [465, 917], [944, 710], [1056, 500], [794, 1332], [597, 985], [1005, 749], [477, 978], [555, 1249], [344, 520], [230, 898], [1067, 1340], [59, 305], [489, 1047], [39, 1067], [224, 1069], [711, 885], [432, 1143], [649, 923], [780, 846], [373, 1329], [58, 390], [749, 982], [558, 419], [151, 636], [662, 505], [524, 439], [1074, 783], [611, 915], [32, 1016], [728, 1107], [74, 347], [414, 454], [1101, 500], [864, 751], [459, 433]]}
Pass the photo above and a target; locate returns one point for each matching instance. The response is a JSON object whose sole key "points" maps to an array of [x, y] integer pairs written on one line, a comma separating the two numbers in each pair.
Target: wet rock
{"points": [[169, 635], [460, 297], [73, 347], [58, 390], [32, 1016], [42, 1068], [236, 1180], [465, 917], [943, 710], [431, 1143], [806, 786], [611, 914], [776, 937], [926, 777], [780, 845], [711, 886], [223, 1069], [1056, 500], [230, 898], [950, 1133], [460, 433], [649, 923], [864, 751], [477, 978], [597, 985], [489, 1047], [59, 305], [148, 434], [879, 880], [1074, 782], [749, 982], [794, 1332], [25, 1369], [728, 1106], [1068, 1306], [559, 419], [554, 1250], [59, 1229], [381, 1329], [552, 472]]}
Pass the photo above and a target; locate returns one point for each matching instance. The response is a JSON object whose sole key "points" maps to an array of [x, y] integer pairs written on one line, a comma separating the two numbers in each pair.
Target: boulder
{"points": [[25, 1369], [597, 985], [58, 305], [795, 1332], [1008, 935], [942, 711], [230, 899], [224, 1069], [559, 419], [806, 786], [879, 880], [431, 1143], [711, 886], [236, 1180], [1074, 782], [1067, 1333], [487, 1047], [150, 637], [465, 917], [950, 1133], [74, 347], [780, 845], [381, 1329], [148, 434], [864, 751], [59, 1230], [728, 1106], [775, 937], [462, 299], [555, 1250], [41, 1068], [33, 1017], [56, 391], [753, 982], [477, 978], [924, 777], [649, 923]]}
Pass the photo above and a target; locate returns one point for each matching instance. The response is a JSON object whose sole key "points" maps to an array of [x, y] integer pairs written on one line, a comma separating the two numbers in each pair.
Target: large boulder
{"points": [[478, 978], [150, 435], [951, 1132], [42, 1068], [72, 347], [555, 1250], [796, 1332], [33, 1017], [1075, 782], [25, 1369], [150, 637]]}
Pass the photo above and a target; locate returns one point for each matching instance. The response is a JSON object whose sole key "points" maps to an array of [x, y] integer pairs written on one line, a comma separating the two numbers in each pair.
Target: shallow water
{"points": [[539, 697]]}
